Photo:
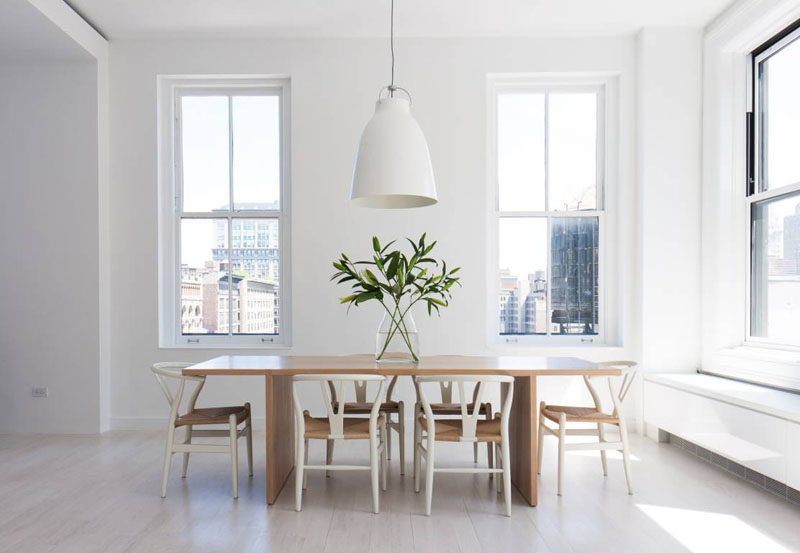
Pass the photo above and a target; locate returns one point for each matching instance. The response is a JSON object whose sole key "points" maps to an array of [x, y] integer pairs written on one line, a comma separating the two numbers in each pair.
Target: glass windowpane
{"points": [[572, 146], [520, 152], [775, 269], [204, 278], [780, 118], [256, 152], [255, 264], [523, 275], [574, 256], [204, 153]]}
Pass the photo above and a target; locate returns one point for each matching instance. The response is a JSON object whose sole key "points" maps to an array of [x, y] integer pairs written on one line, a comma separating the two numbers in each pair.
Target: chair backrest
{"points": [[171, 371], [446, 391], [618, 386], [360, 387], [332, 385], [469, 420]]}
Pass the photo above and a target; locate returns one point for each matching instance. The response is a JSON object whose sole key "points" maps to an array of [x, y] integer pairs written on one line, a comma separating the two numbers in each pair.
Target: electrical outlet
{"points": [[39, 391]]}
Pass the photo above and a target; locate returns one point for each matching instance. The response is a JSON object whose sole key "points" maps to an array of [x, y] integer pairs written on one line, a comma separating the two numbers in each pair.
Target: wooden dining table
{"points": [[279, 369]]}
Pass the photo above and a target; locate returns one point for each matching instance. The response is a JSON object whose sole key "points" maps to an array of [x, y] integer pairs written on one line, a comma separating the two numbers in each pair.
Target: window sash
{"points": [[758, 88], [170, 333], [759, 193], [553, 88]]}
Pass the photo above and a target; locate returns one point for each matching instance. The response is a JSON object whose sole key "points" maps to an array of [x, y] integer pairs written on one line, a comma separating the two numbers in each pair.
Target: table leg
{"points": [[280, 434], [523, 426]]}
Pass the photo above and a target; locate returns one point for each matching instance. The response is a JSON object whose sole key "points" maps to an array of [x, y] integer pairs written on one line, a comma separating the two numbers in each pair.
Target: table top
{"points": [[366, 364]]}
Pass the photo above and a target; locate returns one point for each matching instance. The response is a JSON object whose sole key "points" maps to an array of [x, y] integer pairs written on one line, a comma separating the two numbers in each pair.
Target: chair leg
{"points": [[506, 476], [373, 469], [489, 445], [299, 472], [249, 437], [499, 463], [329, 444], [429, 475], [385, 433], [475, 453], [305, 462], [626, 458], [187, 440], [388, 423], [540, 441], [167, 460], [562, 434], [401, 429], [601, 436], [417, 452], [234, 454]]}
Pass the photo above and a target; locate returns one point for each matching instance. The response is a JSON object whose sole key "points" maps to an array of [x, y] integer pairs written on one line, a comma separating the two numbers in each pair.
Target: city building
{"points": [[574, 247], [191, 301]]}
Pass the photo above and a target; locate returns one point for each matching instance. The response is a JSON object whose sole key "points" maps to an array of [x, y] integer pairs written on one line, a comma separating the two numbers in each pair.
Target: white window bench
{"points": [[754, 426]]}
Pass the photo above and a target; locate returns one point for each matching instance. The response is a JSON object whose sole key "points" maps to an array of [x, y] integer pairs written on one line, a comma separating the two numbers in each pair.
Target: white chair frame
{"points": [[172, 371], [618, 387], [377, 438], [399, 426], [469, 422], [446, 391]]}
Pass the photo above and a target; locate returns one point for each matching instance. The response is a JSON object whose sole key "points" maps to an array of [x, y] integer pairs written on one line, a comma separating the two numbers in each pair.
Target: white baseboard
{"points": [[159, 423]]}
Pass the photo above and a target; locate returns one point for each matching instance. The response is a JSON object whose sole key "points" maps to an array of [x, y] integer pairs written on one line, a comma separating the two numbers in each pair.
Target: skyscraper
{"points": [[574, 259]]}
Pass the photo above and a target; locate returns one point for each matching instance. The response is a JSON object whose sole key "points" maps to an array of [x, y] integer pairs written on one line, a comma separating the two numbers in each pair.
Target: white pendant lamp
{"points": [[393, 166]]}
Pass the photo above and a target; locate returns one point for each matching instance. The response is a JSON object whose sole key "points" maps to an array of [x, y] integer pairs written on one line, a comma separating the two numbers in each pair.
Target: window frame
{"points": [[605, 86], [754, 174], [170, 90]]}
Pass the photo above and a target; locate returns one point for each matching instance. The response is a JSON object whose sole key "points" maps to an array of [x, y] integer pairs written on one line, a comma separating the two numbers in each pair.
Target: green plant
{"points": [[398, 283]]}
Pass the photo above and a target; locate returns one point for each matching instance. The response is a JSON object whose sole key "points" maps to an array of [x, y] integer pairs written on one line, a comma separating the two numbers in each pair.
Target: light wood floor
{"points": [[86, 494]]}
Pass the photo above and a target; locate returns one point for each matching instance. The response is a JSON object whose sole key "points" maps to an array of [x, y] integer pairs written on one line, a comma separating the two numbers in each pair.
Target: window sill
{"points": [[223, 345], [784, 405], [779, 368]]}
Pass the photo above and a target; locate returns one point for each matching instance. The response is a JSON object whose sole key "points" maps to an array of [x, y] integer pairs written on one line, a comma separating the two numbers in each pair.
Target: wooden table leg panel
{"points": [[280, 433], [523, 425]]}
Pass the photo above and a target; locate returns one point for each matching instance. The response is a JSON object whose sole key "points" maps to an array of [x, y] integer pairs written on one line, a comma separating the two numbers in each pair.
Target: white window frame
{"points": [[756, 195], [170, 89], [605, 85]]}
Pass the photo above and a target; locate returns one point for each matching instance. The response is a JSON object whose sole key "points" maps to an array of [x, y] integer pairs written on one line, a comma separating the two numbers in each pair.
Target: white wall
{"points": [[49, 223], [669, 96], [334, 87]]}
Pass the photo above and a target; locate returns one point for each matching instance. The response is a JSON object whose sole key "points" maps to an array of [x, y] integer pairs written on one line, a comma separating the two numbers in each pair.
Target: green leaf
{"points": [[391, 271], [375, 244], [386, 247], [348, 298], [364, 296], [370, 277]]}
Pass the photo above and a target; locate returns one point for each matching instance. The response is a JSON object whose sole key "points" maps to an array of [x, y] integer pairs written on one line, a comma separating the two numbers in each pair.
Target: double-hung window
{"points": [[773, 193], [224, 213], [548, 171]]}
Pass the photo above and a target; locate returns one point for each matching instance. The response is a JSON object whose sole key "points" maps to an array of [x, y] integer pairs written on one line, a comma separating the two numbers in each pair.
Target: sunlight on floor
{"points": [[610, 455], [705, 532]]}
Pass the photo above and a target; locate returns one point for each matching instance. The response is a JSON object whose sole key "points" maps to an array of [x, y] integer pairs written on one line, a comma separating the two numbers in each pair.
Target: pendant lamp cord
{"points": [[391, 47]]}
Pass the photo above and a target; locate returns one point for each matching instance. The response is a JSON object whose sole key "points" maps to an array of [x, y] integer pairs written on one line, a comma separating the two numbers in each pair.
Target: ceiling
{"points": [[359, 18], [26, 34]]}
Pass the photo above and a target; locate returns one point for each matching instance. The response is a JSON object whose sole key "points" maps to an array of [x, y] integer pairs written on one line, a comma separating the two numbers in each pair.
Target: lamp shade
{"points": [[393, 165]]}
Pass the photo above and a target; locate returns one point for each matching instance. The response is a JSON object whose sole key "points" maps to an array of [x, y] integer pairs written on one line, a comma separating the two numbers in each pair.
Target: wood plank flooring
{"points": [[101, 494]]}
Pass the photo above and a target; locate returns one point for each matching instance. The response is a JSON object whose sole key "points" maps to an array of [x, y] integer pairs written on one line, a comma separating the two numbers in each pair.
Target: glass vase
{"points": [[397, 340]]}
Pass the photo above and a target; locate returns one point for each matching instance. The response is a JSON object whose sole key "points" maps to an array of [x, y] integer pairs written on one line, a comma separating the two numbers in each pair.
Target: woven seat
{"points": [[354, 428], [578, 414], [364, 407], [213, 415], [450, 430], [455, 408]]}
